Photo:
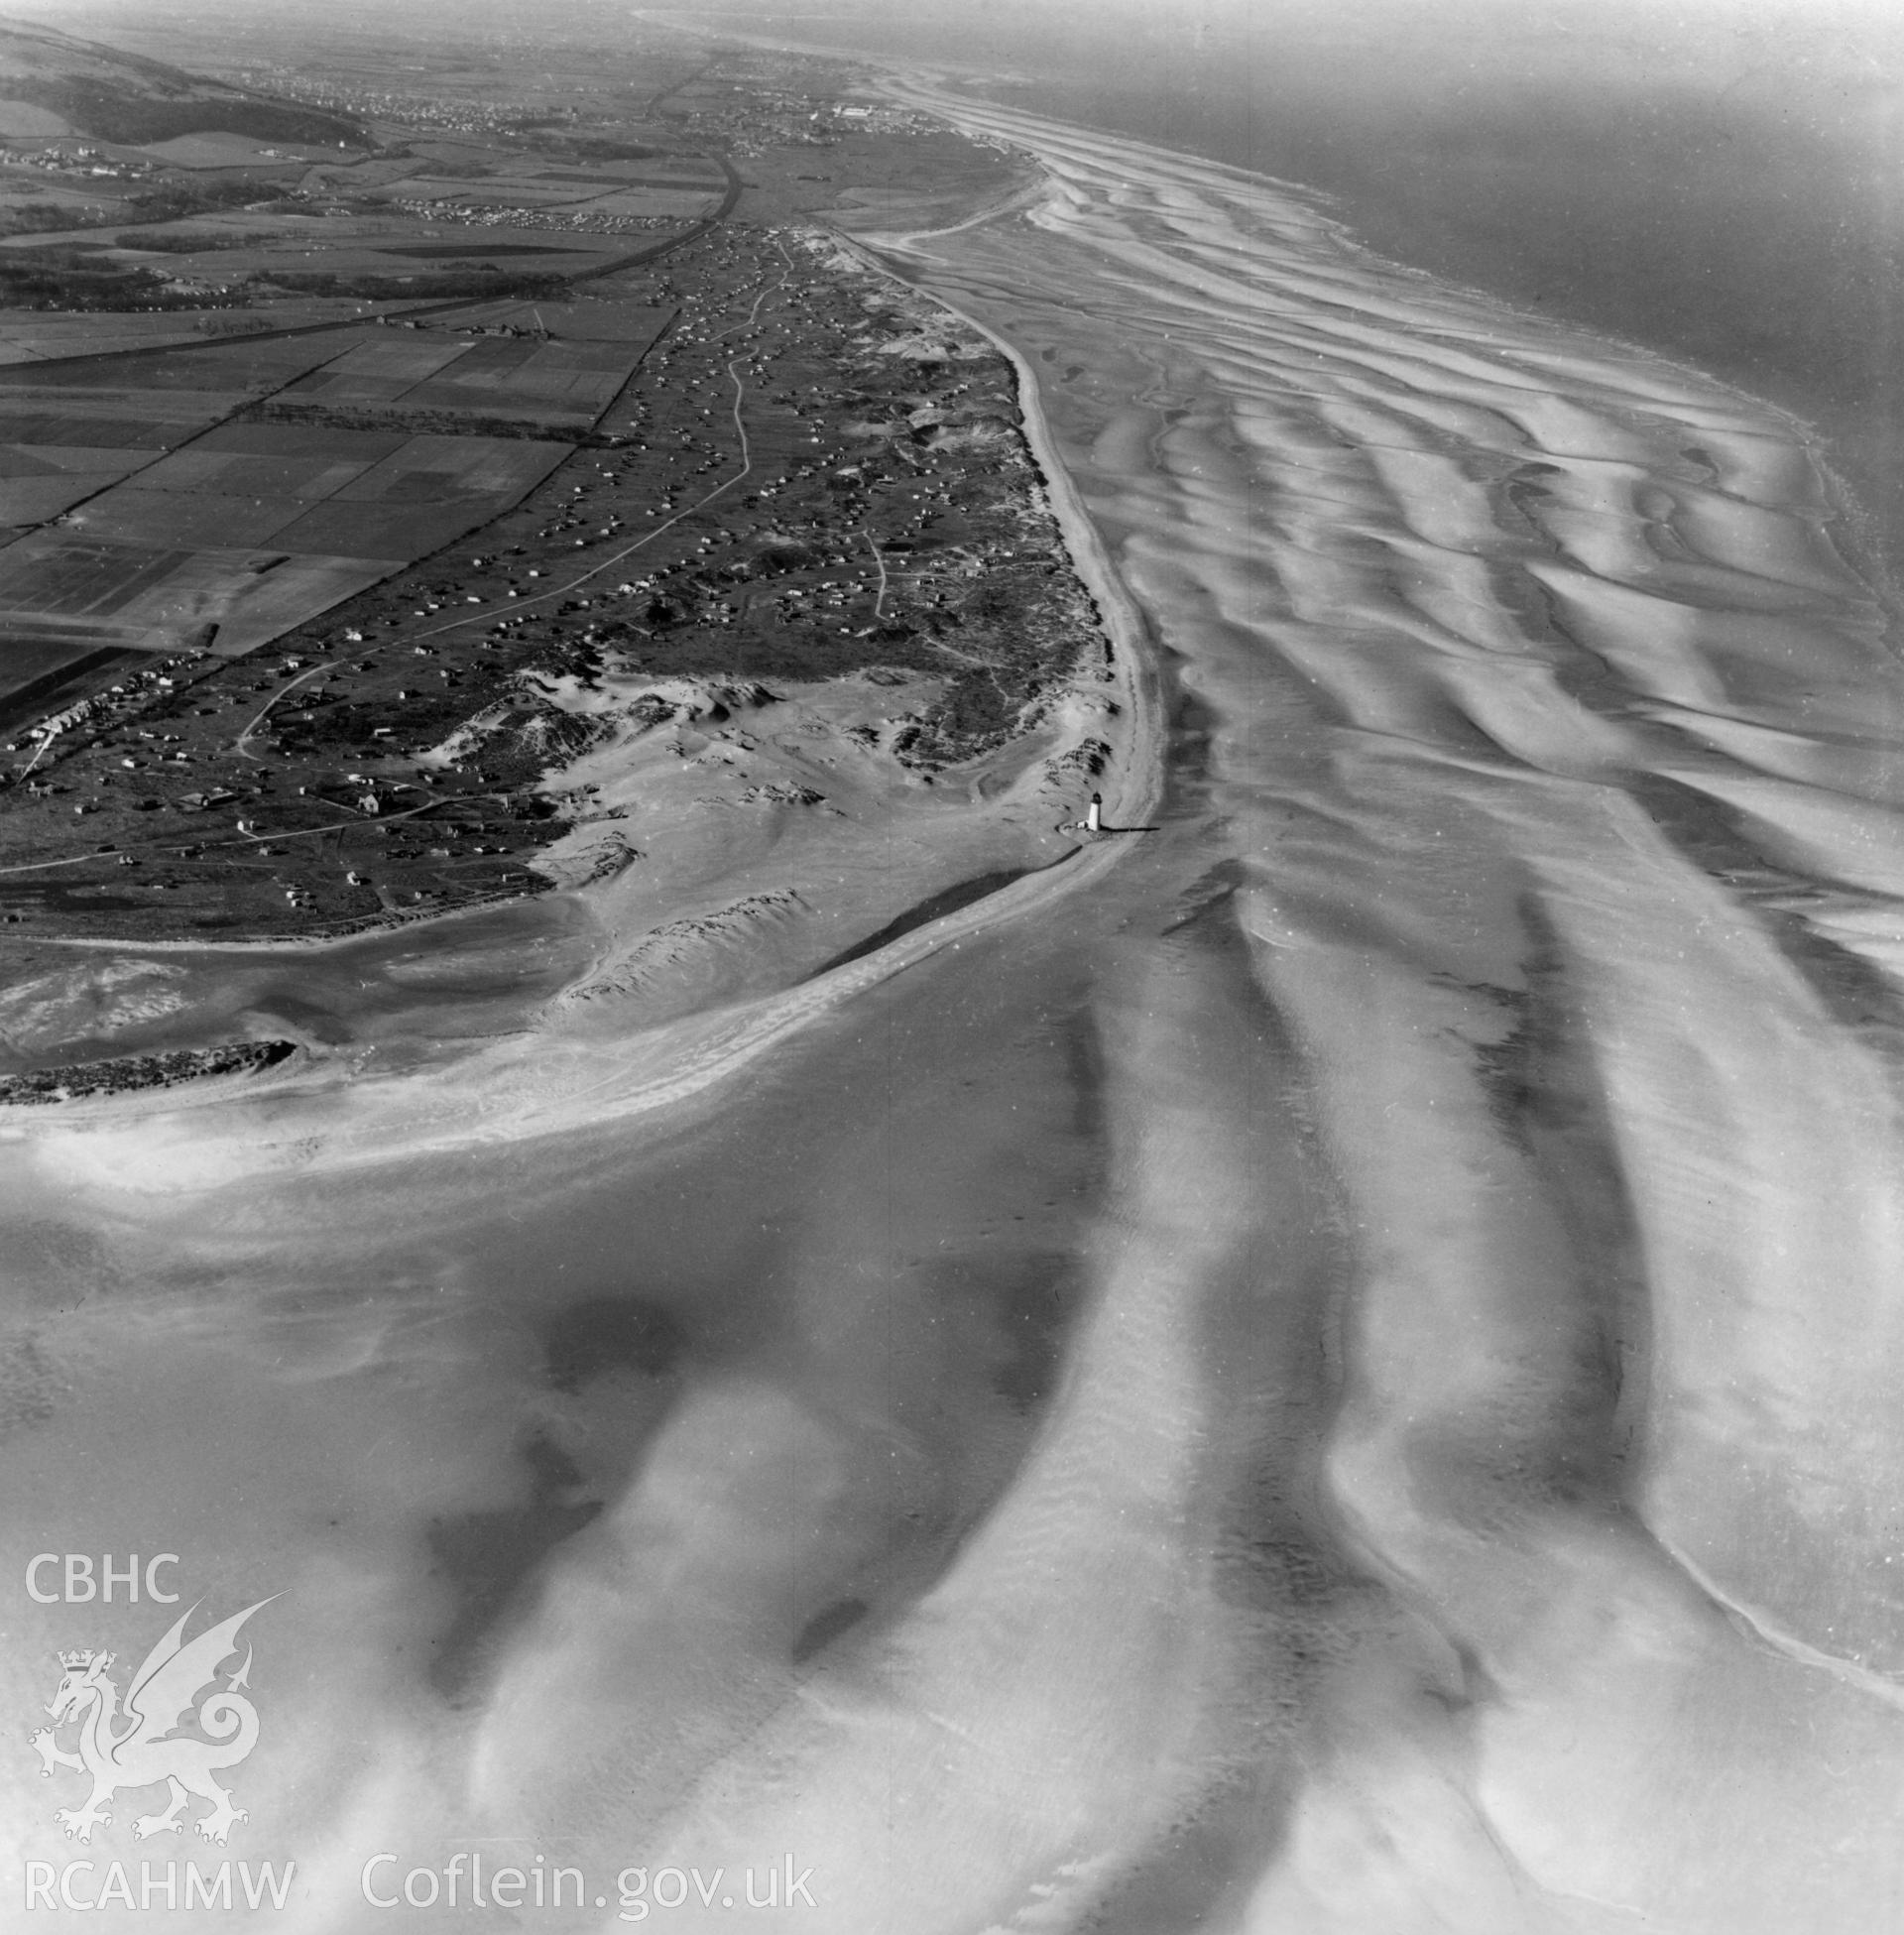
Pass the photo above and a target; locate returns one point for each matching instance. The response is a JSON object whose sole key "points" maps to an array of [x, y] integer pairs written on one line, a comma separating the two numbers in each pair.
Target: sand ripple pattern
{"points": [[1553, 744]]}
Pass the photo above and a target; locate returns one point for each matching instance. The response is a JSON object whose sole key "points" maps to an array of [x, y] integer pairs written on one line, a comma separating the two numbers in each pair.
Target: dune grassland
{"points": [[763, 1307]]}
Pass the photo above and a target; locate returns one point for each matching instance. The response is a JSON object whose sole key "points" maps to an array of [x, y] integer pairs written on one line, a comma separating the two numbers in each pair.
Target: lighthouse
{"points": [[1094, 819]]}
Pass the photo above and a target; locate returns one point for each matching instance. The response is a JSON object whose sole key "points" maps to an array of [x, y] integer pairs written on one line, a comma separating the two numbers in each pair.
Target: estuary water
{"points": [[1328, 1366]]}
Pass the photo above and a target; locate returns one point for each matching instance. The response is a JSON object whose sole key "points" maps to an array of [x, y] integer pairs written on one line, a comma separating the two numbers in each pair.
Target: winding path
{"points": [[614, 558]]}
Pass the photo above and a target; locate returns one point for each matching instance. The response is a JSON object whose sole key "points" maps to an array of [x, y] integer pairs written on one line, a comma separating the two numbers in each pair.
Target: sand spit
{"points": [[721, 823]]}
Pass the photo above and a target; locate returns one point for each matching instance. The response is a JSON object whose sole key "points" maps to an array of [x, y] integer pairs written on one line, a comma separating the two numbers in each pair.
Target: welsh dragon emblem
{"points": [[138, 1744]]}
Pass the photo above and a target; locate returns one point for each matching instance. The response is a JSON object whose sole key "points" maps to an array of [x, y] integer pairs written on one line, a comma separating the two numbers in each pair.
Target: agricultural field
{"points": [[288, 615], [254, 258], [211, 496], [221, 150], [39, 337], [315, 254], [70, 431], [393, 757], [342, 494], [447, 371]]}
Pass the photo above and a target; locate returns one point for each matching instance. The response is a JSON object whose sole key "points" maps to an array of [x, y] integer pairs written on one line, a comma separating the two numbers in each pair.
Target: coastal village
{"points": [[315, 643]]}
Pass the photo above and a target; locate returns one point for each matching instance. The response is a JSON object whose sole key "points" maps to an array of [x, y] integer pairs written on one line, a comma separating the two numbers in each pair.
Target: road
{"points": [[614, 558]]}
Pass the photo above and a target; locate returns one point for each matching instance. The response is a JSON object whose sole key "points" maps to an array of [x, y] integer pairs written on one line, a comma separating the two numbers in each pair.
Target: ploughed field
{"points": [[333, 471], [196, 330], [752, 457]]}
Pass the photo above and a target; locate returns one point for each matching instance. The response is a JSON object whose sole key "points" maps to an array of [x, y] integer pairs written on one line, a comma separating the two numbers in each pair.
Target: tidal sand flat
{"points": [[1552, 743], [1325, 1364]]}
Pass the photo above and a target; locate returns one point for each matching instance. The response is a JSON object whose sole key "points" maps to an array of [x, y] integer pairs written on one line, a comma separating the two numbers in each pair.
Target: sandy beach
{"points": [[1326, 1366]]}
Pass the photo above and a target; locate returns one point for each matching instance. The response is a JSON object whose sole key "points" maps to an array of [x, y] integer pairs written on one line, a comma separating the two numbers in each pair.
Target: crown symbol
{"points": [[82, 1658]]}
